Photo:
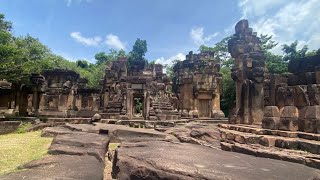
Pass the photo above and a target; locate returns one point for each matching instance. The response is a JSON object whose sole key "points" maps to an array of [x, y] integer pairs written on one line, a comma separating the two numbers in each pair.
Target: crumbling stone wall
{"points": [[248, 73], [296, 97], [65, 94]]}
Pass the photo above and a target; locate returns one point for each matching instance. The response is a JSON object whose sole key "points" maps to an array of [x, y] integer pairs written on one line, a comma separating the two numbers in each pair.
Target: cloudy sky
{"points": [[78, 29]]}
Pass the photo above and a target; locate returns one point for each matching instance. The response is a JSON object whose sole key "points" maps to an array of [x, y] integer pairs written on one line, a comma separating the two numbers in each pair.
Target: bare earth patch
{"points": [[18, 149]]}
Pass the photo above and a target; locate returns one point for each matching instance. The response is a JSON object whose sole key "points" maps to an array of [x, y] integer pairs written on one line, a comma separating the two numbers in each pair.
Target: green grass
{"points": [[23, 127], [113, 146], [17, 149]]}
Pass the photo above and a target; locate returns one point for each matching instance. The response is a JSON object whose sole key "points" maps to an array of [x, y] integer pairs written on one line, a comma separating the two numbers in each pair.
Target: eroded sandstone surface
{"points": [[79, 151]]}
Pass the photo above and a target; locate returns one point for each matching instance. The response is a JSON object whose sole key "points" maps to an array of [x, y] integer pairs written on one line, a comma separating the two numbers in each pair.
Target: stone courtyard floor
{"points": [[190, 151]]}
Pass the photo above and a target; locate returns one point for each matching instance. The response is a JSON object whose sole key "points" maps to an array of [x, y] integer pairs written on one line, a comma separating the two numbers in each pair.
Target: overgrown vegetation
{"points": [[17, 149], [21, 56], [23, 128]]}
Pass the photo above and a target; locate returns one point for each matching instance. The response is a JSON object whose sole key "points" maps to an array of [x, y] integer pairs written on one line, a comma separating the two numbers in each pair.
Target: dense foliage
{"points": [[21, 56], [136, 56]]}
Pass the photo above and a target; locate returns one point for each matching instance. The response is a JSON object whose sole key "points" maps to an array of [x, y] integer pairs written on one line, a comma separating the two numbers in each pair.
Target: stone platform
{"points": [[299, 147], [78, 151]]}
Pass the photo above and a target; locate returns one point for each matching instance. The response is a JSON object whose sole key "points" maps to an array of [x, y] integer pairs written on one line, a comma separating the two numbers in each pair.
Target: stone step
{"points": [[271, 141], [296, 156], [260, 131], [110, 115]]}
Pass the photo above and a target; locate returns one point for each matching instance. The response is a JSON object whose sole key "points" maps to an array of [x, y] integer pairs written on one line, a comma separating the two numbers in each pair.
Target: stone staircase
{"points": [[298, 147], [112, 111], [161, 109]]}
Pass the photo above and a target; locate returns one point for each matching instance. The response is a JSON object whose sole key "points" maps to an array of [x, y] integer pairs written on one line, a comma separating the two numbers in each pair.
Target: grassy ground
{"points": [[108, 164], [17, 149]]}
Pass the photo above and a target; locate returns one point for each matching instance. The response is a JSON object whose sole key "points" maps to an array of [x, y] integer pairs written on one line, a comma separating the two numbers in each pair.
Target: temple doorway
{"points": [[204, 108], [138, 107]]}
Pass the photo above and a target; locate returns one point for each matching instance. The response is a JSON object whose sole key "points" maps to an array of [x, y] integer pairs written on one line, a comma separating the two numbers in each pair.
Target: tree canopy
{"points": [[21, 56], [136, 56]]}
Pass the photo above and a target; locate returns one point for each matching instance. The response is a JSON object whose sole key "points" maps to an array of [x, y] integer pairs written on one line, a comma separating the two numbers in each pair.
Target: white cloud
{"points": [[314, 42], [87, 41], [114, 41], [197, 35], [287, 21], [169, 61], [69, 2], [257, 8]]}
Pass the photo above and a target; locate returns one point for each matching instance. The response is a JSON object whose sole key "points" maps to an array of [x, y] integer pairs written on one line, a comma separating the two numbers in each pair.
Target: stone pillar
{"points": [[106, 99], [129, 103], [146, 102], [37, 80], [248, 72]]}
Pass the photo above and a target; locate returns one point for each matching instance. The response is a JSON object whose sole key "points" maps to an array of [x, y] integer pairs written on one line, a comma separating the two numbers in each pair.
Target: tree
{"points": [[228, 92], [82, 63], [291, 52], [101, 57], [139, 49], [220, 50], [136, 56], [169, 68], [5, 25], [275, 63], [267, 43]]}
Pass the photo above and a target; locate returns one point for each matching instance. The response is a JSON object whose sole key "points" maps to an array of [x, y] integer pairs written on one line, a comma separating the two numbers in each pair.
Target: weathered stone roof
{"points": [[60, 72]]}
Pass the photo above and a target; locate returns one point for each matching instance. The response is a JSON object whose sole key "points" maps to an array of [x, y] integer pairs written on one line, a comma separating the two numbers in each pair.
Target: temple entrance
{"points": [[138, 107], [204, 108]]}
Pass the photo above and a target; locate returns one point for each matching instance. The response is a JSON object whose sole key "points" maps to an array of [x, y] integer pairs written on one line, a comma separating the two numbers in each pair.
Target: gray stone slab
{"points": [[167, 160]]}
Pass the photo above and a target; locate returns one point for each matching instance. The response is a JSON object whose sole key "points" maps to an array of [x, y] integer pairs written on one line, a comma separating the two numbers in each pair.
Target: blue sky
{"points": [[78, 29]]}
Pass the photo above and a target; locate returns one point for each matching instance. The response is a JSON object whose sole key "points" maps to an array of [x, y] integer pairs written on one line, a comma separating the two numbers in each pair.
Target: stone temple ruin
{"points": [[286, 102], [275, 117], [124, 89], [138, 92], [197, 84]]}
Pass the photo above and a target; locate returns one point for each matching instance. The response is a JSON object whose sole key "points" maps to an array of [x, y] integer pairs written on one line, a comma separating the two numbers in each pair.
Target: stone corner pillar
{"points": [[37, 81]]}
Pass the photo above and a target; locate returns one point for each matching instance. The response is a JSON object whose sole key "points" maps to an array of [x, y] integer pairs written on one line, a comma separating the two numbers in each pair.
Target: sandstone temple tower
{"points": [[197, 84], [248, 73]]}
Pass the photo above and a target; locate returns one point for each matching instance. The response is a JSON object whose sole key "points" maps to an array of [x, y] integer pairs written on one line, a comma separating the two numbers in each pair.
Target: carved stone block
{"points": [[289, 112], [310, 112], [271, 111], [270, 122], [288, 124]]}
